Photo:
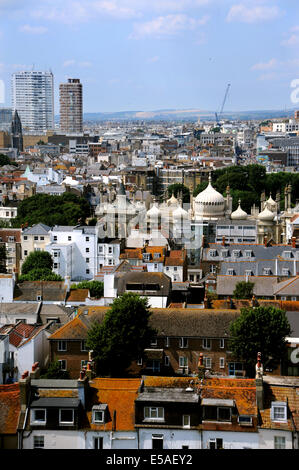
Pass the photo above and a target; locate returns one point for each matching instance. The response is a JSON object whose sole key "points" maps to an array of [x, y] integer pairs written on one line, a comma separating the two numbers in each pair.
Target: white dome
{"points": [[153, 212], [266, 215], [172, 201], [180, 212], [239, 214], [210, 203]]}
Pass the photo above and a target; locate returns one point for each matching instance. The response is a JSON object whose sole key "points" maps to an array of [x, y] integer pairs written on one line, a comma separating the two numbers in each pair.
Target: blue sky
{"points": [[157, 54]]}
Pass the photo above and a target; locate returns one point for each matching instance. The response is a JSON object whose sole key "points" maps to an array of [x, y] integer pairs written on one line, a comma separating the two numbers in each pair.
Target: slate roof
{"points": [[263, 285], [38, 229], [289, 287], [173, 395], [10, 408], [55, 402], [54, 291], [144, 278]]}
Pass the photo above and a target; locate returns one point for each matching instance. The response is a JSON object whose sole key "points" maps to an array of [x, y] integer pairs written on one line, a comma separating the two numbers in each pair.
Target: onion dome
{"points": [[266, 215], [172, 201], [180, 213], [210, 203], [153, 212], [239, 214]]}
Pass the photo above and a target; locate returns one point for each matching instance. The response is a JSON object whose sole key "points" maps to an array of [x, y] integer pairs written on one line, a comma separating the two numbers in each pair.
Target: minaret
{"points": [[16, 133]]}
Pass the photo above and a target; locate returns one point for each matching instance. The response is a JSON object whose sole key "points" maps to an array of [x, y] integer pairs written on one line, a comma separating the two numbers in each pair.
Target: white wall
{"points": [[6, 288], [232, 440], [113, 440], [56, 439], [266, 438], [172, 439]]}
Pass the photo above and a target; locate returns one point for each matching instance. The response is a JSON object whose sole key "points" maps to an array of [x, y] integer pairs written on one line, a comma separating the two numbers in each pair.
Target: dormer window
{"points": [[146, 256], [236, 253], [98, 413], [267, 271], [39, 416], [230, 272], [288, 254], [213, 253], [248, 253], [157, 255], [244, 420], [279, 411], [285, 272], [66, 417], [225, 253]]}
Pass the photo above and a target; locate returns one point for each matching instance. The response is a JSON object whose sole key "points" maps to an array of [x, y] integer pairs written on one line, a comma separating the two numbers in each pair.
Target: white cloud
{"points": [[252, 14], [292, 41], [265, 65], [33, 29], [165, 26], [72, 62]]}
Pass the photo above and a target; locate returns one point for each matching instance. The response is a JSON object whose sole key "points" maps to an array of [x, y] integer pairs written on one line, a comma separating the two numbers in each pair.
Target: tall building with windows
{"points": [[33, 98], [71, 107]]}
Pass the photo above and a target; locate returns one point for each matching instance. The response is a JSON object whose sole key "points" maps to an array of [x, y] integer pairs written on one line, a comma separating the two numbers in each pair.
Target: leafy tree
{"points": [[2, 259], [37, 260], [243, 290], [67, 209], [96, 288], [179, 187], [122, 336], [54, 372], [4, 160], [261, 329], [40, 274]]}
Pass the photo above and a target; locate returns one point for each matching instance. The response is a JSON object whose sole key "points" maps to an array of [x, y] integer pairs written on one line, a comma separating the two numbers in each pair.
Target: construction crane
{"points": [[218, 116]]}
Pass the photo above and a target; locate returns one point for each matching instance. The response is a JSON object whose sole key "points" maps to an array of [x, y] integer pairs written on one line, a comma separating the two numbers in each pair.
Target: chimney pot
{"points": [[223, 241], [25, 374]]}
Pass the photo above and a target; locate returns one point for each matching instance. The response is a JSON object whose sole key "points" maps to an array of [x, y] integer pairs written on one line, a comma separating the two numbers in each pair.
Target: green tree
{"points": [[37, 260], [40, 274], [243, 290], [179, 187], [122, 336], [67, 209], [2, 259], [261, 329], [96, 288], [54, 372]]}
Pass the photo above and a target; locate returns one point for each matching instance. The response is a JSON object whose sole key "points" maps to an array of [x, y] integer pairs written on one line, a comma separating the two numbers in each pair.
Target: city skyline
{"points": [[147, 56]]}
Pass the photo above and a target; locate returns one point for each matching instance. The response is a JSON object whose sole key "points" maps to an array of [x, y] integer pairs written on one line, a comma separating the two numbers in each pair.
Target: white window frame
{"points": [[183, 362], [139, 361], [207, 361], [221, 343], [36, 421], [283, 412], [66, 423], [186, 421], [183, 342], [206, 343], [166, 361], [41, 441], [61, 348], [278, 440], [61, 361], [98, 421], [222, 362], [151, 413]]}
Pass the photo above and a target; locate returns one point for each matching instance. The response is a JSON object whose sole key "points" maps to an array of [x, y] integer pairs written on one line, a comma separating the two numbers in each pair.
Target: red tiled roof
{"points": [[10, 408], [120, 396]]}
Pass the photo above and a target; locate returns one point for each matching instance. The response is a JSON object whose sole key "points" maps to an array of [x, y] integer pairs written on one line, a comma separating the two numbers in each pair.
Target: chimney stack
{"points": [[35, 373], [201, 367], [223, 241], [265, 240], [82, 387], [259, 382], [293, 242], [24, 384]]}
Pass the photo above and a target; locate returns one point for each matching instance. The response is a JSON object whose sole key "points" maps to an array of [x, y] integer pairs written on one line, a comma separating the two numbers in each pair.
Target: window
{"points": [[154, 342], [110, 250], [62, 346], [25, 237], [225, 253], [206, 343], [191, 277], [42, 238], [279, 442], [183, 342], [66, 416], [139, 361], [213, 253], [221, 362], [230, 272], [83, 363], [183, 361], [35, 238], [87, 260], [153, 413], [87, 250], [186, 421], [157, 441], [207, 361], [166, 361], [38, 416], [224, 414], [56, 254], [248, 273], [98, 416], [245, 420], [215, 444], [101, 249], [62, 364], [236, 253], [87, 271], [98, 443], [214, 413], [55, 238], [25, 252], [38, 442], [288, 254], [156, 255], [248, 254], [267, 271], [69, 238], [87, 239], [279, 411], [294, 299], [167, 268], [167, 342], [156, 266], [146, 256], [285, 272], [221, 343]]}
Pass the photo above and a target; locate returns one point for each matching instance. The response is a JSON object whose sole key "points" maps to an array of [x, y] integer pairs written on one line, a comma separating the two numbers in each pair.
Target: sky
{"points": [[144, 55]]}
